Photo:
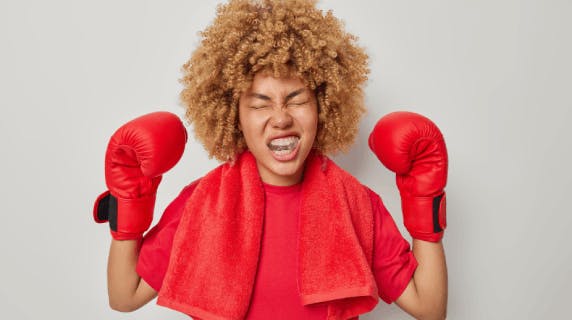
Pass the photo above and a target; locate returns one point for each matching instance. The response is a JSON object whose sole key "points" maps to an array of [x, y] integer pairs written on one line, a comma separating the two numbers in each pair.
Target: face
{"points": [[279, 119]]}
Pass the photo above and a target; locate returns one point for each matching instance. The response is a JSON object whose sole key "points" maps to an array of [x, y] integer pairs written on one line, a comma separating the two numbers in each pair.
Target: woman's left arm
{"points": [[425, 297], [413, 147]]}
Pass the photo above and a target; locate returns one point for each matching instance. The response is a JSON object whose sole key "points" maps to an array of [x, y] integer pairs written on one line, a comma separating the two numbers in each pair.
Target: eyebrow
{"points": [[267, 98]]}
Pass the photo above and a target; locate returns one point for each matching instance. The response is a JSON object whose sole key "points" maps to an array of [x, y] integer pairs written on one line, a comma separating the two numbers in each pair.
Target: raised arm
{"points": [[137, 155], [426, 294], [127, 291], [413, 147]]}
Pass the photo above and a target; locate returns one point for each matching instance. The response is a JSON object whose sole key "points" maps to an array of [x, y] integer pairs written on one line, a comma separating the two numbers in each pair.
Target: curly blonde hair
{"points": [[284, 38]]}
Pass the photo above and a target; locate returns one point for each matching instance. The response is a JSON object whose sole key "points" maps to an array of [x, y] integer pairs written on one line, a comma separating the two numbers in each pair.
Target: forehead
{"points": [[267, 84]]}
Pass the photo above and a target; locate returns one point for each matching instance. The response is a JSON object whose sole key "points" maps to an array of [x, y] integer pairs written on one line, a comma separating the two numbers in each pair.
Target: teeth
{"points": [[283, 145], [281, 152]]}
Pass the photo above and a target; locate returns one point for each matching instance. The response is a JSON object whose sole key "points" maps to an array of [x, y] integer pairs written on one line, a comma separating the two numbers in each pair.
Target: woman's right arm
{"points": [[127, 291], [138, 153]]}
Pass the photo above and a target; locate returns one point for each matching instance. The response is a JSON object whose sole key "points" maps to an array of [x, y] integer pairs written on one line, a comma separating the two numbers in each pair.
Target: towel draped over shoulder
{"points": [[216, 248]]}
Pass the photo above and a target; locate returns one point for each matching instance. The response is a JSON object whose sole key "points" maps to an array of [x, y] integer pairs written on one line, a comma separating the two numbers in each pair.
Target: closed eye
{"points": [[297, 103], [258, 107]]}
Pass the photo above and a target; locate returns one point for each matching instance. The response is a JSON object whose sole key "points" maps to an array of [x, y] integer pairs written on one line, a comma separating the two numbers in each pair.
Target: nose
{"points": [[281, 119]]}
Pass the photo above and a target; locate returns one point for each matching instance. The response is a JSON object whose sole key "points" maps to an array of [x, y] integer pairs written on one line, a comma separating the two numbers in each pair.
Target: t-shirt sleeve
{"points": [[393, 260], [156, 247]]}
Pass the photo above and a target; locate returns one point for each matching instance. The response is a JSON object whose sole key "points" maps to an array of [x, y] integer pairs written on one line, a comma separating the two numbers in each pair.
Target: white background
{"points": [[494, 75]]}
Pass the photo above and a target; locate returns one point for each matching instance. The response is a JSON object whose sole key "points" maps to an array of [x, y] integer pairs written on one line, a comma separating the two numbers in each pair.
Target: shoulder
{"points": [[375, 198], [380, 212], [351, 181], [186, 193], [175, 209], [215, 174], [188, 190]]}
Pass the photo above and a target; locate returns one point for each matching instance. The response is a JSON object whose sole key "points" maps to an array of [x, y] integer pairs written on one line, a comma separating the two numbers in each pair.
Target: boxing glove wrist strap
{"points": [[425, 217], [134, 218]]}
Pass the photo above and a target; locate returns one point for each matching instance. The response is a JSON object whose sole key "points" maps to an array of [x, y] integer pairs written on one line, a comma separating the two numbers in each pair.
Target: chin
{"points": [[288, 170]]}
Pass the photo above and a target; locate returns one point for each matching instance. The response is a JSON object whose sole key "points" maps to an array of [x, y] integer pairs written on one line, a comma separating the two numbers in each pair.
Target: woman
{"points": [[278, 231]]}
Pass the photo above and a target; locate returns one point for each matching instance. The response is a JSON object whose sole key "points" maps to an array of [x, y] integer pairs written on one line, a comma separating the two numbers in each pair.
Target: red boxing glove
{"points": [[137, 155], [412, 146]]}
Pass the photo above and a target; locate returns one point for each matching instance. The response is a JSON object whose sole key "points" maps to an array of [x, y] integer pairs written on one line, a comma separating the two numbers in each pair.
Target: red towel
{"points": [[216, 248]]}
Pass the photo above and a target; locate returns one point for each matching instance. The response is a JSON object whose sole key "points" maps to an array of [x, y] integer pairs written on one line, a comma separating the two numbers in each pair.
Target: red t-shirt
{"points": [[275, 294]]}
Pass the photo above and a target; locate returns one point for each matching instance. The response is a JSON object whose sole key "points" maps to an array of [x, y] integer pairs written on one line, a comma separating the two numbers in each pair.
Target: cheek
{"points": [[309, 120], [252, 126]]}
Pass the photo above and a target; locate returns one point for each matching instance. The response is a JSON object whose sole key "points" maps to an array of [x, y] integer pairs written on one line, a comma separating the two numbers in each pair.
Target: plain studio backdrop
{"points": [[494, 75]]}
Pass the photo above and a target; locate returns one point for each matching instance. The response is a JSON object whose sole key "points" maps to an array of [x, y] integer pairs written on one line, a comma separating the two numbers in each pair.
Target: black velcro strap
{"points": [[436, 206], [107, 210]]}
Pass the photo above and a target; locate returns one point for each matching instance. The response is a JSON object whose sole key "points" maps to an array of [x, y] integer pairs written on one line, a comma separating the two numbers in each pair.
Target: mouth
{"points": [[284, 146]]}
